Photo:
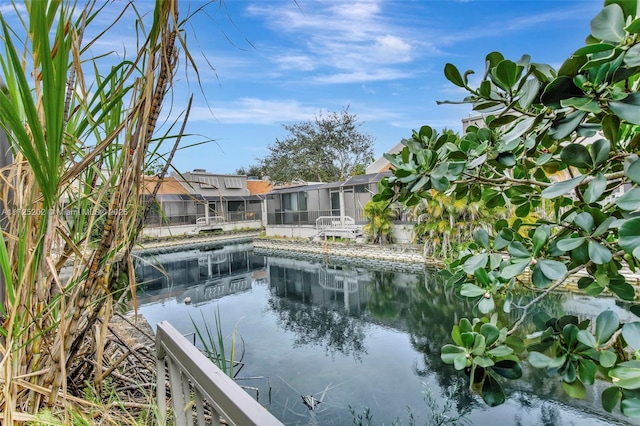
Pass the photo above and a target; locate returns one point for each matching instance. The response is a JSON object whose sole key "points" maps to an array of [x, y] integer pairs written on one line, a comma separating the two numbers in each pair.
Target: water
{"points": [[357, 338]]}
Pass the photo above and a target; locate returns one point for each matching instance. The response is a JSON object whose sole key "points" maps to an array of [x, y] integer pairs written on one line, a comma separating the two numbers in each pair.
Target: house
{"points": [[199, 201], [297, 209], [173, 205], [226, 197]]}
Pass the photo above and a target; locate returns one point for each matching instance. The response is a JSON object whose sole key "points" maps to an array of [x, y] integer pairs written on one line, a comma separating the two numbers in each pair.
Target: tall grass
{"points": [[79, 129], [214, 347]]}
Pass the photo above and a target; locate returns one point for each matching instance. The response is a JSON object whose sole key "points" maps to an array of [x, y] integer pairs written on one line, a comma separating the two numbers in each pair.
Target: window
{"points": [[233, 183], [208, 182]]}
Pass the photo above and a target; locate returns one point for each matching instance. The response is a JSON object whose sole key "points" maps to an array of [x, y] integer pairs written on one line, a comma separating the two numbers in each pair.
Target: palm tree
{"points": [[446, 225], [381, 216]]}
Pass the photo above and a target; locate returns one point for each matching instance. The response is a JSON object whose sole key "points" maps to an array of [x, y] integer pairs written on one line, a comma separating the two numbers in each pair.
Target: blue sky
{"points": [[283, 62]]}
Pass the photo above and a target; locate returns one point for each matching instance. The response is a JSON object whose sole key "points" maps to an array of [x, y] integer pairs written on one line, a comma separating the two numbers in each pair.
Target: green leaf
{"points": [[450, 352], [540, 237], [629, 235], [479, 344], [468, 338], [506, 74], [634, 27], [465, 325], [626, 375], [633, 171], [538, 279], [475, 262], [606, 324], [461, 361], [585, 221], [603, 227], [562, 187], [608, 25], [623, 290], [517, 249], [611, 127], [508, 369], [563, 127], [492, 392], [481, 237], [523, 210], [593, 48], [453, 75], [576, 155], [587, 370], [490, 333], [575, 389], [628, 108], [515, 343], [586, 338], [518, 130], [607, 358], [486, 305], [595, 189], [631, 334], [539, 360], [630, 407], [440, 184], [514, 269], [568, 244], [560, 88], [483, 361], [502, 350], [610, 397], [600, 150], [632, 56], [629, 8], [583, 104], [599, 254], [482, 277], [552, 269], [529, 92], [630, 200], [471, 290]]}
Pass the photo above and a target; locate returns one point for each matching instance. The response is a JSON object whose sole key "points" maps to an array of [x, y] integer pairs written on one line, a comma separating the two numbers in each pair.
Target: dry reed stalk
{"points": [[63, 129]]}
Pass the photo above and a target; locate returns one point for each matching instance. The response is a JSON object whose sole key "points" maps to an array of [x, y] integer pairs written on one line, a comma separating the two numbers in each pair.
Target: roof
{"points": [[256, 187], [168, 185], [365, 179], [296, 188], [382, 164], [234, 198]]}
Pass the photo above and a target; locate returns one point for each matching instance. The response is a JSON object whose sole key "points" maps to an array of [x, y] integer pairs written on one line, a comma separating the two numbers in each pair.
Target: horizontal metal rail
{"points": [[197, 385]]}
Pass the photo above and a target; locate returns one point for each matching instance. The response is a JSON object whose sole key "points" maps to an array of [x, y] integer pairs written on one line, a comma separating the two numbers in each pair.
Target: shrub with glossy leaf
{"points": [[564, 141]]}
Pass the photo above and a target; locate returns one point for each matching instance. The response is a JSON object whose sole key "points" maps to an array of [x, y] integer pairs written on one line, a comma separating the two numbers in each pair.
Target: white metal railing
{"points": [[335, 222], [196, 384], [211, 220]]}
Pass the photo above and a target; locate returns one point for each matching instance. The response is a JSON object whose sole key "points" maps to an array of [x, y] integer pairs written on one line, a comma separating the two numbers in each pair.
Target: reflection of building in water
{"points": [[319, 284], [215, 289], [215, 270]]}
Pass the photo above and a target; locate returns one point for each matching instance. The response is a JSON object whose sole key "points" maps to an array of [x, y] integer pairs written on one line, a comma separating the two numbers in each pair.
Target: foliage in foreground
{"points": [[569, 139], [81, 128], [213, 345]]}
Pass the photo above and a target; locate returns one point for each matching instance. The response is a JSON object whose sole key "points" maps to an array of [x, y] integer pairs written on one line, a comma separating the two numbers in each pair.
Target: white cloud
{"points": [[254, 111], [342, 41], [299, 62], [361, 76]]}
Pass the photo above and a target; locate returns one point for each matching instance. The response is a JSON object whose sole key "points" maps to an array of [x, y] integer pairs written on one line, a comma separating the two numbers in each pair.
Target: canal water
{"points": [[358, 341]]}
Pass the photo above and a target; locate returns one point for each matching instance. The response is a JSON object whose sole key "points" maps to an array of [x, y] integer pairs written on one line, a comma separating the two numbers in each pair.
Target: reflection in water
{"points": [[348, 336], [320, 304], [202, 275]]}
